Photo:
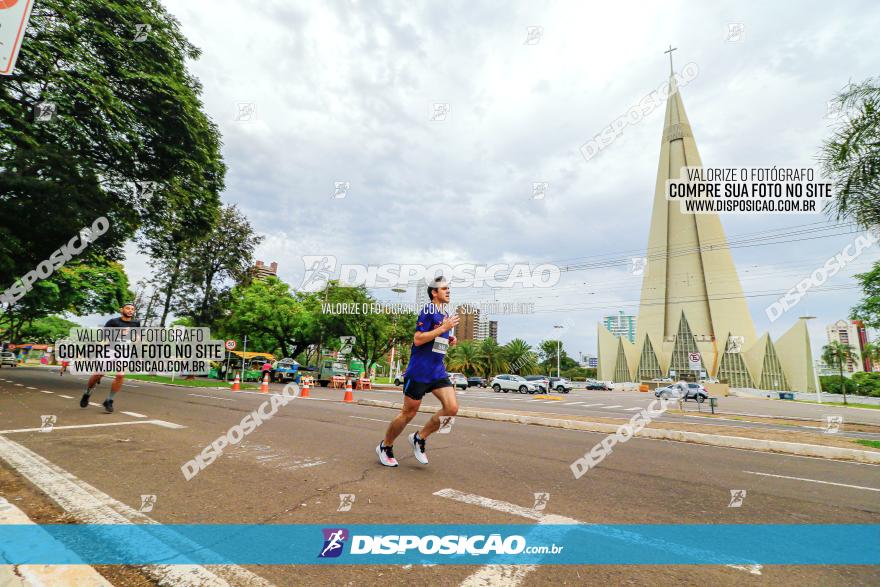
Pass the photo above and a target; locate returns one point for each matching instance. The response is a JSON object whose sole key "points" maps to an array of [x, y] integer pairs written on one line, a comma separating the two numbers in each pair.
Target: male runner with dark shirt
{"points": [[425, 372], [126, 320]]}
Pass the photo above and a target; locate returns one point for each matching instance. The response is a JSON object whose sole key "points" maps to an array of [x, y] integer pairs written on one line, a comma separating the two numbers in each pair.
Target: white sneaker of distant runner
{"points": [[418, 445], [386, 455]]}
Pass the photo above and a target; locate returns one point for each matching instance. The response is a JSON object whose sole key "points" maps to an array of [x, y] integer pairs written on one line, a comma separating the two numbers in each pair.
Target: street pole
{"points": [[243, 352], [558, 371]]}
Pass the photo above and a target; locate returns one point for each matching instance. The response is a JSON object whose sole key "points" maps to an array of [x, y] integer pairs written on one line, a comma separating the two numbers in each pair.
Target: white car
{"points": [[7, 358], [458, 380], [507, 383]]}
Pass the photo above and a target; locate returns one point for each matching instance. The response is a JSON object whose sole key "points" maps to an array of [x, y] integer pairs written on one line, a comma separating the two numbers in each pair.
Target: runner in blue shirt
{"points": [[425, 372]]}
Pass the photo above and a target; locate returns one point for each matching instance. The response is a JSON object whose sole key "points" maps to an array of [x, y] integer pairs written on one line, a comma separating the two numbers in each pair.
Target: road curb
{"points": [[775, 446]]}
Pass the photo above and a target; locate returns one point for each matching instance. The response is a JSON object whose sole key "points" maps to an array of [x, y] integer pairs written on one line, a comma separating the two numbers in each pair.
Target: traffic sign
{"points": [[14, 15], [694, 362], [230, 345]]}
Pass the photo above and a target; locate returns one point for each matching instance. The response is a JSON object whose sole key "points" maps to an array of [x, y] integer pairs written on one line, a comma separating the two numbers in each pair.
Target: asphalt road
{"points": [[293, 468]]}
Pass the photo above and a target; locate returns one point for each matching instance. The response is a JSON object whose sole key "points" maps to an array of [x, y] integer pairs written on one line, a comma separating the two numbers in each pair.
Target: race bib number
{"points": [[441, 345]]}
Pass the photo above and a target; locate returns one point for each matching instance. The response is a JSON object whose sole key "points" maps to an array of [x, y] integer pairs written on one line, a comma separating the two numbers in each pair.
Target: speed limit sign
{"points": [[230, 345]]}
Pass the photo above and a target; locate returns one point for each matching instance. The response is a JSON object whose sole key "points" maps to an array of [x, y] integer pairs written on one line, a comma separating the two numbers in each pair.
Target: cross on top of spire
{"points": [[670, 50]]}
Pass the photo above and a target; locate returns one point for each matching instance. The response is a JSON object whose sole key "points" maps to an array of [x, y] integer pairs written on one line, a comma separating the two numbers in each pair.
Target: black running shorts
{"points": [[417, 389]]}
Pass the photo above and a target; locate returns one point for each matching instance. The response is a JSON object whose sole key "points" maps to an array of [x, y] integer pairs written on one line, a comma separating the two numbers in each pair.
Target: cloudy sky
{"points": [[344, 91]]}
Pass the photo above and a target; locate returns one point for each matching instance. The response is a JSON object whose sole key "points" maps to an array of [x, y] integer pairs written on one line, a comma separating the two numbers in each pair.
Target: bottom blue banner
{"points": [[577, 544]]}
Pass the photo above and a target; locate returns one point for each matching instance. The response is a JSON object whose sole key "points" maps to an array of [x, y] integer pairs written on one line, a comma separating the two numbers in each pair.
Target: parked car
{"points": [[561, 384], [507, 383], [694, 391], [458, 380], [593, 384], [398, 379], [7, 358], [540, 380], [477, 382]]}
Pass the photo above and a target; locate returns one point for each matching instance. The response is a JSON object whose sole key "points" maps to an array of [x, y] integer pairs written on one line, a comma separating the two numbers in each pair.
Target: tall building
{"points": [[493, 330], [262, 271], [421, 296], [468, 324], [482, 329], [622, 325], [693, 319], [854, 334]]}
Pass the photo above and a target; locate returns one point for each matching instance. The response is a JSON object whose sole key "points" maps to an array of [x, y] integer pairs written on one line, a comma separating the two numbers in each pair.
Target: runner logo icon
{"points": [[334, 541]]}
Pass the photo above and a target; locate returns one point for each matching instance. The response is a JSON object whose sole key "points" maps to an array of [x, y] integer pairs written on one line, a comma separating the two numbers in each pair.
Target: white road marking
{"points": [[536, 400], [813, 481], [592, 405], [632, 409], [609, 407], [572, 403], [91, 506], [226, 399], [19, 385], [132, 414], [65, 396], [30, 387], [45, 575], [161, 423], [490, 576], [46, 391], [97, 405]]}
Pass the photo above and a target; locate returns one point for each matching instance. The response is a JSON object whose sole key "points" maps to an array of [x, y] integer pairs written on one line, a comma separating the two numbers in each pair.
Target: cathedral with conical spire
{"points": [[694, 322]]}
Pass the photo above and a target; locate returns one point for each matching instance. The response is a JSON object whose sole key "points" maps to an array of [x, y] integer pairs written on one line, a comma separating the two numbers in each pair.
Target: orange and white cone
{"points": [[349, 398], [264, 386], [304, 392], [236, 385]]}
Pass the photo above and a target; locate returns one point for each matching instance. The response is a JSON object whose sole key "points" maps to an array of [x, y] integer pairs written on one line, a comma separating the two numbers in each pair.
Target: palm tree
{"points": [[520, 357], [835, 354], [851, 157], [465, 357], [494, 360], [872, 353]]}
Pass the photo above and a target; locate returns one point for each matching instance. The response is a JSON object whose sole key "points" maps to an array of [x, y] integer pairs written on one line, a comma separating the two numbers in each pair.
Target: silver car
{"points": [[507, 383], [7, 358]]}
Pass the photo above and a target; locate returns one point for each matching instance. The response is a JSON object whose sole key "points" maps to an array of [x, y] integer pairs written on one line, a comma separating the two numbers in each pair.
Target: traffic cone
{"points": [[236, 385], [304, 392], [349, 398], [264, 386]]}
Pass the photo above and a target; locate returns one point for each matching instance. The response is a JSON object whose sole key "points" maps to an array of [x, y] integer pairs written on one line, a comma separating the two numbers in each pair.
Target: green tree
{"points": [[851, 157], [46, 330], [375, 333], [836, 354], [868, 311], [225, 253], [273, 319], [466, 357], [520, 358], [126, 111], [75, 288], [494, 358], [871, 351]]}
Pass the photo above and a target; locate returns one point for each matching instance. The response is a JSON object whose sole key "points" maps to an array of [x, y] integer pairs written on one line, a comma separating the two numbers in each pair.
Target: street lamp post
{"points": [[558, 372], [391, 369]]}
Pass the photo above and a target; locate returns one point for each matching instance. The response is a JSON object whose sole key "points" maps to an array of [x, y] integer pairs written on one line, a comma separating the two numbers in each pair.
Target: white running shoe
{"points": [[386, 455], [418, 445]]}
